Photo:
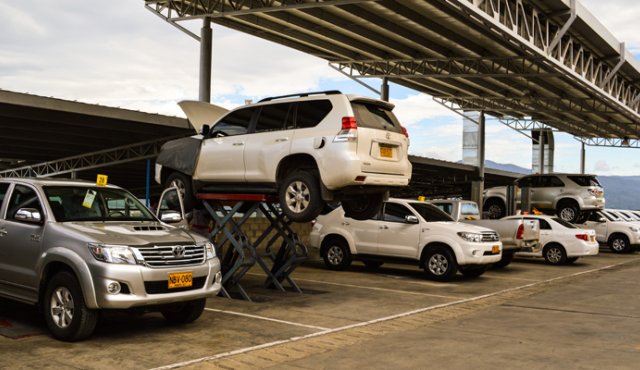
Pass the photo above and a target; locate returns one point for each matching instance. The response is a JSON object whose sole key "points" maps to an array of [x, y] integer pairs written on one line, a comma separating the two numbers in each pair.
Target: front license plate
{"points": [[386, 151], [495, 249], [180, 280]]}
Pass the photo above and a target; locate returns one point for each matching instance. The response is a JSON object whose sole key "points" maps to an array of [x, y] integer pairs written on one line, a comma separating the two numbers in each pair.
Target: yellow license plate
{"points": [[180, 280], [386, 151], [495, 249]]}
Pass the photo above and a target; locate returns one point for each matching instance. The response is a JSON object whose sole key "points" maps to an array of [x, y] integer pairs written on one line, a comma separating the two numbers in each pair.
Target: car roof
{"points": [[50, 181]]}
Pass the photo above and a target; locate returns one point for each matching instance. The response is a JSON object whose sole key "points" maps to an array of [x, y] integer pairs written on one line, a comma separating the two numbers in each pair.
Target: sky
{"points": [[117, 53]]}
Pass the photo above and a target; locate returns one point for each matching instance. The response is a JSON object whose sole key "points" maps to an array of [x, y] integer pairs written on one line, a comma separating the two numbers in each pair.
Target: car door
{"points": [[365, 233], [269, 142], [397, 237], [595, 222], [546, 232], [21, 241], [222, 152]]}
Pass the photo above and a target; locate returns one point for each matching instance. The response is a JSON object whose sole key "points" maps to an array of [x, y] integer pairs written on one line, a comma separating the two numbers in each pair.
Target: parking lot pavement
{"points": [[529, 314]]}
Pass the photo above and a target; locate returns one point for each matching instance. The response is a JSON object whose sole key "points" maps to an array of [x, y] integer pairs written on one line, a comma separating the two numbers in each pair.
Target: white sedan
{"points": [[561, 241]]}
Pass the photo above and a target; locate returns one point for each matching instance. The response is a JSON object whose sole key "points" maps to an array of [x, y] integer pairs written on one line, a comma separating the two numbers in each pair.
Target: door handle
{"points": [[283, 139], [237, 144], [345, 223]]}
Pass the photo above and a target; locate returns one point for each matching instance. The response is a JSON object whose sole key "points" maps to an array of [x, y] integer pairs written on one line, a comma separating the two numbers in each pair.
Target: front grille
{"points": [[162, 286], [172, 255], [490, 236]]}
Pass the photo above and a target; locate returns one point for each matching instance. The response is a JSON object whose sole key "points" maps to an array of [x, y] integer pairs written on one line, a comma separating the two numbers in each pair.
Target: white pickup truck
{"points": [[406, 231], [517, 235]]}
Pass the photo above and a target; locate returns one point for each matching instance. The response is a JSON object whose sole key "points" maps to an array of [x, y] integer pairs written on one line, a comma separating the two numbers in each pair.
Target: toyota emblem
{"points": [[388, 136], [178, 251]]}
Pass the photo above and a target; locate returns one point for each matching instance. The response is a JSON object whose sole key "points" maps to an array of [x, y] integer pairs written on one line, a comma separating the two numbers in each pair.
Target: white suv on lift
{"points": [[306, 148]]}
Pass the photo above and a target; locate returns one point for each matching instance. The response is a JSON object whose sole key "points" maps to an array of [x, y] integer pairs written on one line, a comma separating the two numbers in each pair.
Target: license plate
{"points": [[386, 151], [180, 280], [592, 238], [495, 249]]}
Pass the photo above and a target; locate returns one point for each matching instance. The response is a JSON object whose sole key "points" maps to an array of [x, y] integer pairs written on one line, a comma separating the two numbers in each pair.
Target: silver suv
{"points": [[568, 195], [306, 148], [75, 248]]}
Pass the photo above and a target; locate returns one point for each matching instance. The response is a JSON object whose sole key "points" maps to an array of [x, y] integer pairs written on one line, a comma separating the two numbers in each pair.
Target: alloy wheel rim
{"points": [[554, 255], [567, 214], [438, 264], [298, 196], [494, 211], [618, 244], [62, 307], [335, 255]]}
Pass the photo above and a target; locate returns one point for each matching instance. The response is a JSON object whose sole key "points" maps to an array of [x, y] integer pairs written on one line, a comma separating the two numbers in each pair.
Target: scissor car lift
{"points": [[238, 254]]}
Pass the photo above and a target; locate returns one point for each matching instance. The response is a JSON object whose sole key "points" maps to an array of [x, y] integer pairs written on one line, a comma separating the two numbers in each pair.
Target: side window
{"points": [[554, 182], [3, 192], [445, 207], [310, 113], [234, 123], [544, 225], [524, 182], [396, 212], [275, 117], [22, 197]]}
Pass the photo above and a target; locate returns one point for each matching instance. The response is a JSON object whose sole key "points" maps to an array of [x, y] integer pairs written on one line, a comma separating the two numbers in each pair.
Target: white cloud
{"points": [[620, 17], [419, 107], [602, 166]]}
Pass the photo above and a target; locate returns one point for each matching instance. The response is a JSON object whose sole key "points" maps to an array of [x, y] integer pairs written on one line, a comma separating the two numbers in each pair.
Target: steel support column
{"points": [[541, 153], [477, 186], [205, 60], [583, 156], [384, 89]]}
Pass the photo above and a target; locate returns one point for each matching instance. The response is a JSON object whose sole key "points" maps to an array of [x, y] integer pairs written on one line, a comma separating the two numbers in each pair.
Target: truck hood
{"points": [[457, 226], [201, 113], [132, 233]]}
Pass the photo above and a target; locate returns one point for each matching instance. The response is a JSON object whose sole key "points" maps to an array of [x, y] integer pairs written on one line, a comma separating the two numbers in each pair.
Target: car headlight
{"points": [[635, 229], [210, 250], [114, 253], [470, 237]]}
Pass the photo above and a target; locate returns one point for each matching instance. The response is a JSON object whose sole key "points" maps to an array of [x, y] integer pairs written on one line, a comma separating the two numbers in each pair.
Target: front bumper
{"points": [[479, 253], [146, 286]]}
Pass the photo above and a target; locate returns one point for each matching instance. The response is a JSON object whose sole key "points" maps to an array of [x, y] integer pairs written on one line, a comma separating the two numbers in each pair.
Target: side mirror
{"points": [[411, 219], [602, 219], [170, 216], [205, 130], [30, 215]]}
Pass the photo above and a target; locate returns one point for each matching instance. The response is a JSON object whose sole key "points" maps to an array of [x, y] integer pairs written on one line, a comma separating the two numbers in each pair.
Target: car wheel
{"points": [[440, 264], [335, 253], [185, 186], [372, 264], [184, 313], [571, 260], [568, 211], [65, 312], [300, 196], [619, 244], [471, 272], [505, 260], [363, 207], [495, 208], [554, 254]]}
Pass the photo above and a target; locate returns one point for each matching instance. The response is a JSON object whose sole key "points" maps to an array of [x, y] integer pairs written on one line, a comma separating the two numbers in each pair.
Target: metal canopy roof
{"points": [[546, 60]]}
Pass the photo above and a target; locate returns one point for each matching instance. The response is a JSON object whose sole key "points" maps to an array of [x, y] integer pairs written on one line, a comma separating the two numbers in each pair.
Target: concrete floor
{"points": [[528, 315]]}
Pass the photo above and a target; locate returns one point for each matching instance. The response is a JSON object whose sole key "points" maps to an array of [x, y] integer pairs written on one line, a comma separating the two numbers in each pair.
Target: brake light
{"points": [[584, 237], [348, 131], [404, 131], [349, 123], [520, 232]]}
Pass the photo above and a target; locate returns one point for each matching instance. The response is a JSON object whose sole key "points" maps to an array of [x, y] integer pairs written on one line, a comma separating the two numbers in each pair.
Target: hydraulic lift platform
{"points": [[238, 254]]}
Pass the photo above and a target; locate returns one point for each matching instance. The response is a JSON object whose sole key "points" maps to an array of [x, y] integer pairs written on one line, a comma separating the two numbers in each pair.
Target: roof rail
{"points": [[328, 92]]}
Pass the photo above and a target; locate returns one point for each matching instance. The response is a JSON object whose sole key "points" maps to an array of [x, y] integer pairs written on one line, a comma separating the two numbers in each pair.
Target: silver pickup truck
{"points": [[517, 235], [75, 248]]}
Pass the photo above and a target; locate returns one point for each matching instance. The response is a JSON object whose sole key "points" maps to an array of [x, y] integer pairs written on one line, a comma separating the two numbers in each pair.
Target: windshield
{"points": [[78, 203], [469, 210], [430, 213]]}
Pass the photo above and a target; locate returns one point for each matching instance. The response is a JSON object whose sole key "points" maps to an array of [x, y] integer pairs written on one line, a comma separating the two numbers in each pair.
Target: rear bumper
{"points": [[584, 249], [351, 167]]}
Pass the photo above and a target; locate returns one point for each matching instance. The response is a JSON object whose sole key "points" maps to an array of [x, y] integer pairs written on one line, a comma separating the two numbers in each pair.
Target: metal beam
{"points": [[609, 142]]}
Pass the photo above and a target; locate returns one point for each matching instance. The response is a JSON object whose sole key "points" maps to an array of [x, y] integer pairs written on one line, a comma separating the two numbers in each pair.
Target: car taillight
{"points": [[520, 232], [584, 237], [404, 131], [348, 131]]}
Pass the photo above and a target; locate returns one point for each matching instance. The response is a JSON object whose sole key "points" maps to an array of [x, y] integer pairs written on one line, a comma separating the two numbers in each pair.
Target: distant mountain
{"points": [[619, 191]]}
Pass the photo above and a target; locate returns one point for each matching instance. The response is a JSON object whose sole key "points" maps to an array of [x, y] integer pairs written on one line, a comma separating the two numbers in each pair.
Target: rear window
{"points": [[311, 112], [564, 223], [469, 209], [376, 117], [585, 180]]}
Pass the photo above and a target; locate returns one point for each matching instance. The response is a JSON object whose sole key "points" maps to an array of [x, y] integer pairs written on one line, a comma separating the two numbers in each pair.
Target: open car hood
{"points": [[200, 113]]}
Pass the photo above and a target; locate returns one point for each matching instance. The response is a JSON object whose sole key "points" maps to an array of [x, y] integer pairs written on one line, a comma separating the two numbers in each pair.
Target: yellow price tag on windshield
{"points": [[102, 180], [89, 197]]}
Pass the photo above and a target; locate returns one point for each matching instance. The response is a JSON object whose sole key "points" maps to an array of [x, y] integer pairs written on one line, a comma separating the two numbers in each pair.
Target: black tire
{"points": [[619, 243], [65, 312], [471, 272], [568, 211], [507, 258], [571, 260], [495, 208], [185, 186], [363, 207], [335, 253], [372, 264], [184, 313], [554, 254], [439, 263], [300, 197]]}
